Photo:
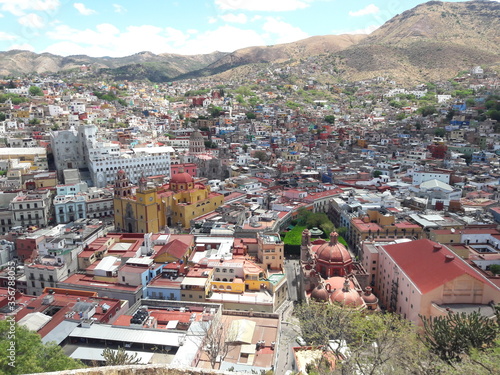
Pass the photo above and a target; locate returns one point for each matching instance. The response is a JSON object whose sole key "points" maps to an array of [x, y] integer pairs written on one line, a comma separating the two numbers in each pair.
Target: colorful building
{"points": [[152, 208]]}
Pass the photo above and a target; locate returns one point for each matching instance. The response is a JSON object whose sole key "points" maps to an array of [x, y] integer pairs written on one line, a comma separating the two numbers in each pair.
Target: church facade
{"points": [[146, 208]]}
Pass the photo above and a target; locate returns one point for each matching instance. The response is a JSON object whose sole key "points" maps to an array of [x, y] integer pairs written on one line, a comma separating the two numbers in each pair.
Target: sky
{"points": [[119, 28]]}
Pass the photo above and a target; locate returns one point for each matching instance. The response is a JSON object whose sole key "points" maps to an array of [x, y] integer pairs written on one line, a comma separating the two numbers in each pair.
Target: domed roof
{"points": [[121, 171], [181, 177], [320, 294], [333, 252], [196, 135], [337, 282], [368, 296], [347, 297]]}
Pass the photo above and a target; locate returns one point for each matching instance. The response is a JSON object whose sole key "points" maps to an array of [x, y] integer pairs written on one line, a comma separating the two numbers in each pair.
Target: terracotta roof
{"points": [[175, 248], [429, 264]]}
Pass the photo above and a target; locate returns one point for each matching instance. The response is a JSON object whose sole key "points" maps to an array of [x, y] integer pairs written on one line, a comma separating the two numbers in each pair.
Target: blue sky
{"points": [[124, 27]]}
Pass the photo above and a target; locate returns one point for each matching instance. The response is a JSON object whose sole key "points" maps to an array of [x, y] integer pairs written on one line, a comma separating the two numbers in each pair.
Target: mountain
{"points": [[25, 62], [434, 40], [312, 46], [431, 41]]}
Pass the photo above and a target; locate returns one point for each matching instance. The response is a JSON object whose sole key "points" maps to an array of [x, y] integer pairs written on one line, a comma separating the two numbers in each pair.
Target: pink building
{"points": [[426, 278]]}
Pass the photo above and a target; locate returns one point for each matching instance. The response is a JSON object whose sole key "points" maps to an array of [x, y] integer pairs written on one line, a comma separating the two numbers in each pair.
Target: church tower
{"points": [[196, 143], [122, 185]]}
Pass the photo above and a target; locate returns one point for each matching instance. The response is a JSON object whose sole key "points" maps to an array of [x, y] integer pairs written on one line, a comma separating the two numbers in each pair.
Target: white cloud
{"points": [[234, 18], [369, 9], [212, 20], [283, 32], [7, 36], [366, 30], [32, 20], [108, 40], [20, 7], [22, 46], [119, 9], [262, 5], [83, 10]]}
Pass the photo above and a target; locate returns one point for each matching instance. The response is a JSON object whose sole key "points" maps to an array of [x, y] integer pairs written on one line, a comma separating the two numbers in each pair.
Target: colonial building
{"points": [[152, 208], [328, 274], [426, 278]]}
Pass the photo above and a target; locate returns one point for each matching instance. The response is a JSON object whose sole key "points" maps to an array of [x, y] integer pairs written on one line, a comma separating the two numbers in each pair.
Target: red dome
{"points": [[320, 294], [349, 299], [333, 252], [369, 297], [121, 171], [181, 178]]}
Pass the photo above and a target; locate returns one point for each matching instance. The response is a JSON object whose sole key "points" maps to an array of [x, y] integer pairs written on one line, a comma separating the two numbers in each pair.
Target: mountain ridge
{"points": [[432, 40]]}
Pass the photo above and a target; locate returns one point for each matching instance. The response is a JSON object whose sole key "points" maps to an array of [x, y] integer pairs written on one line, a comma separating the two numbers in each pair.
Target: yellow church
{"points": [[150, 209]]}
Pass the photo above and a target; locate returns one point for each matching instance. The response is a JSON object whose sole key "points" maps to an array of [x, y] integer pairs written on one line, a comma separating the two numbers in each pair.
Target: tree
{"points": [[2, 116], [495, 269], [30, 354], [35, 91], [119, 357], [219, 339], [320, 323], [427, 110], [378, 343], [386, 344], [377, 174], [261, 155], [251, 115], [214, 111], [456, 334], [440, 132], [330, 119]]}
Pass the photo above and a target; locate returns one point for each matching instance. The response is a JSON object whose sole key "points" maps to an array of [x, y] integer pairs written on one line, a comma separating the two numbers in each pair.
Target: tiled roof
{"points": [[429, 264]]}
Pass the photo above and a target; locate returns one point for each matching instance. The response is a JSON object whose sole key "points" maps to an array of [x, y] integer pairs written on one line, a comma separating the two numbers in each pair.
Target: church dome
{"points": [[320, 294], [181, 178], [347, 296], [333, 252], [369, 297]]}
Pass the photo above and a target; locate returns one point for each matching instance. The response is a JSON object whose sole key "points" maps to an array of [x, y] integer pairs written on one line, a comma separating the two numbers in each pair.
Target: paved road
{"points": [[289, 325], [292, 275]]}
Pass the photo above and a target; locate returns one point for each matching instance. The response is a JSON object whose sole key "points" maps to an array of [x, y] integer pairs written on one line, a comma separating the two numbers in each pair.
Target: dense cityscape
{"points": [[283, 221]]}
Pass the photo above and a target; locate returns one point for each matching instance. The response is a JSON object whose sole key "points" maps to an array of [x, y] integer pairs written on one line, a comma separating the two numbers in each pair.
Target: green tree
{"points": [[440, 132], [35, 91], [251, 115], [495, 269], [261, 155], [427, 110], [377, 174], [2, 116], [330, 119], [494, 114], [214, 111], [119, 357], [31, 355], [456, 333]]}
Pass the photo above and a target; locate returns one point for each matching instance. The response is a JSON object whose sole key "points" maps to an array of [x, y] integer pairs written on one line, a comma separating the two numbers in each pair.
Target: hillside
{"points": [[432, 41], [25, 62]]}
